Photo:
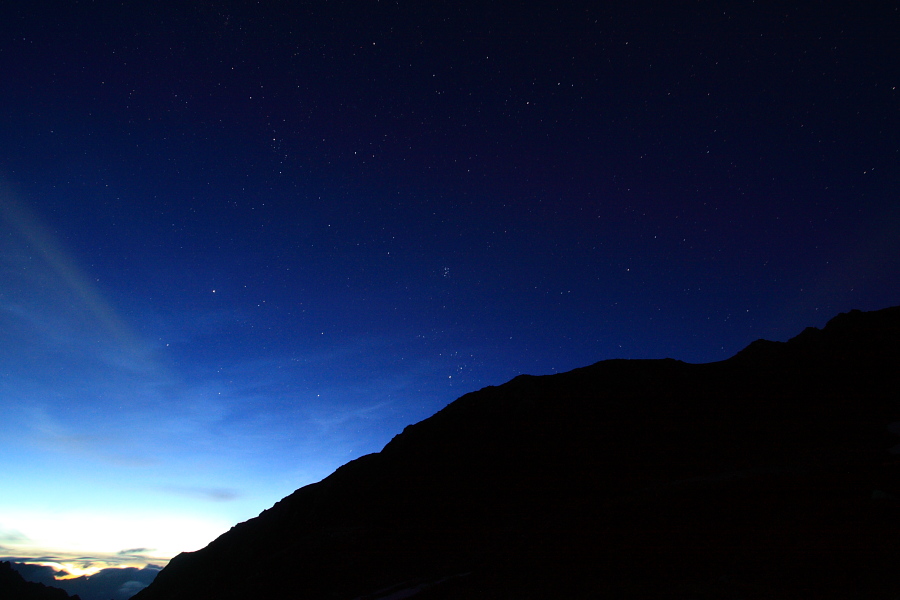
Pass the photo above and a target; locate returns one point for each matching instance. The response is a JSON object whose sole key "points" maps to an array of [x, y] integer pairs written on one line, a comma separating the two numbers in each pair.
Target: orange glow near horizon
{"points": [[81, 566]]}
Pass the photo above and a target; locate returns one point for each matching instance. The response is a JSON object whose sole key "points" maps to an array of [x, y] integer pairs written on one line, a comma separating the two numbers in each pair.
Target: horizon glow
{"points": [[108, 449], [132, 539]]}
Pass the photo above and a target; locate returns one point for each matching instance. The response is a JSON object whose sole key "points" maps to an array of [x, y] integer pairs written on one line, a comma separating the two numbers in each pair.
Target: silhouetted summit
{"points": [[770, 474], [14, 587]]}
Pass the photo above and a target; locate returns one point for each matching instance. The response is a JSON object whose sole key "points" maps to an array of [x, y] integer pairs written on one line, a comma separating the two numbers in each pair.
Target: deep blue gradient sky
{"points": [[242, 243]]}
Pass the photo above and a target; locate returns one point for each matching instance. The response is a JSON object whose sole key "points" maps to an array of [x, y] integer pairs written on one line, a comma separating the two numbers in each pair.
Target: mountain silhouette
{"points": [[771, 474], [14, 587]]}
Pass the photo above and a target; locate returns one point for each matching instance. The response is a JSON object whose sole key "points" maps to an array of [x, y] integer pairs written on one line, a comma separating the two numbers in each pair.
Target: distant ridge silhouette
{"points": [[14, 587], [771, 474]]}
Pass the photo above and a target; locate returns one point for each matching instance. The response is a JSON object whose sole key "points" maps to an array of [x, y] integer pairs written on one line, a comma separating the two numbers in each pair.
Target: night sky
{"points": [[243, 243]]}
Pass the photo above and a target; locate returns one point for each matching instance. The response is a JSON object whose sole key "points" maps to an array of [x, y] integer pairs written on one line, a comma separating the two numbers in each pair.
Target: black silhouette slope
{"points": [[766, 475], [14, 587]]}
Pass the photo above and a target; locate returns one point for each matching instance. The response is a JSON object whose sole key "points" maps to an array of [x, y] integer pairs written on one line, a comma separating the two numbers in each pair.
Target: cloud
{"points": [[75, 283], [130, 588], [111, 583], [71, 563], [61, 434], [134, 551], [205, 493], [12, 536]]}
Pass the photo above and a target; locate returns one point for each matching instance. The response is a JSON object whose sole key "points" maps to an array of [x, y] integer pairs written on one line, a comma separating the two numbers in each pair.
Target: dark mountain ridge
{"points": [[14, 587], [767, 474]]}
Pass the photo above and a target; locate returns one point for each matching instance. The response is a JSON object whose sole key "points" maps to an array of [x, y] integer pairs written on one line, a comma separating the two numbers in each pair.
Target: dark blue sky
{"points": [[245, 242]]}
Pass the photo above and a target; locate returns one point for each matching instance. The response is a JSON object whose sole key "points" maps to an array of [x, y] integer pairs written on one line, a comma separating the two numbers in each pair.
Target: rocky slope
{"points": [[770, 474]]}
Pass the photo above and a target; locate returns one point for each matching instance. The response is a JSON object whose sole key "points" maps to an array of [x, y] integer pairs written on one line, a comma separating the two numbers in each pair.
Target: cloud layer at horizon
{"points": [[111, 583]]}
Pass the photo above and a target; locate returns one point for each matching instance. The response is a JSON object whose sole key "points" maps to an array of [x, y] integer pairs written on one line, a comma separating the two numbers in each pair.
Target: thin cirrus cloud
{"points": [[11, 536], [41, 242], [203, 493]]}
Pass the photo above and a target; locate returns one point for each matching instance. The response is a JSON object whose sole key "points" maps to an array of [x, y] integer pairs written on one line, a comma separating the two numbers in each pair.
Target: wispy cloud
{"points": [[61, 435], [204, 493], [73, 279], [12, 536]]}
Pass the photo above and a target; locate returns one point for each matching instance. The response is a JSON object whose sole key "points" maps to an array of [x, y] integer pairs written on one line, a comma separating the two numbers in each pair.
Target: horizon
{"points": [[241, 246]]}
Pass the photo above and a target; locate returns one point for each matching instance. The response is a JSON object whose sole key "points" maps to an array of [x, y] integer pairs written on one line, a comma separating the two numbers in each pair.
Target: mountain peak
{"points": [[767, 473]]}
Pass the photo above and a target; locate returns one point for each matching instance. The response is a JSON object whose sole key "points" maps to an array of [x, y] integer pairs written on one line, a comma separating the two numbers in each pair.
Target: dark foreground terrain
{"points": [[14, 587], [768, 475]]}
